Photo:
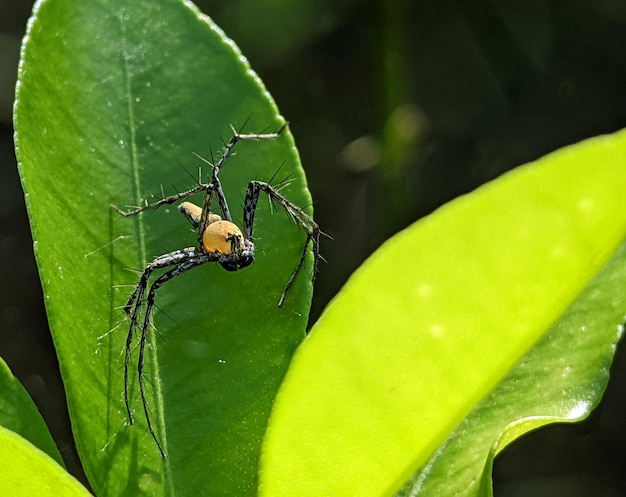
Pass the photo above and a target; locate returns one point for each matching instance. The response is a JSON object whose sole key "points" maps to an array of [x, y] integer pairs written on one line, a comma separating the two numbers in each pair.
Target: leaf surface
{"points": [[448, 322], [114, 99], [26, 471], [19, 414]]}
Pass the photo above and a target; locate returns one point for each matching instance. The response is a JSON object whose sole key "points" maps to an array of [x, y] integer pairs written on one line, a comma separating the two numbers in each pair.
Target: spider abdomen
{"points": [[222, 237]]}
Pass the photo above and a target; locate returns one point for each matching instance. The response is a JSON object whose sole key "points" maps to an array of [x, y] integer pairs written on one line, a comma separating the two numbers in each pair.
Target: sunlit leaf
{"points": [[26, 471], [19, 414], [451, 319]]}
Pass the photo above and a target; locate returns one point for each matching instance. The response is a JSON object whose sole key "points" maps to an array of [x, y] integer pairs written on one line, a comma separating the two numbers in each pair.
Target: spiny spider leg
{"points": [[215, 181], [172, 199], [310, 227], [197, 259], [135, 302], [215, 184], [132, 309]]}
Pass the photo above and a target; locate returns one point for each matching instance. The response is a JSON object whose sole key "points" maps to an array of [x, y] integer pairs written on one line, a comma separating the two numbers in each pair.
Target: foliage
{"points": [[114, 98], [424, 366], [474, 326]]}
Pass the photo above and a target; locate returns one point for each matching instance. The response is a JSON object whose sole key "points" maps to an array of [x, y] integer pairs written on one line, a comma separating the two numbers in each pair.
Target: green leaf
{"points": [[19, 414], [26, 471], [448, 314], [560, 379], [114, 98]]}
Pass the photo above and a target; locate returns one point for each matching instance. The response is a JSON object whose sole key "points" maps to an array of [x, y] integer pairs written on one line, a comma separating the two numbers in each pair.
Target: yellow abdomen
{"points": [[222, 237]]}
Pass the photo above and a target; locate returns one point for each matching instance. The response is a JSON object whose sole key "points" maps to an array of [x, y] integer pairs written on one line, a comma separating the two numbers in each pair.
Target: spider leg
{"points": [[182, 260], [217, 167], [300, 217], [140, 362], [132, 309], [172, 199], [214, 186]]}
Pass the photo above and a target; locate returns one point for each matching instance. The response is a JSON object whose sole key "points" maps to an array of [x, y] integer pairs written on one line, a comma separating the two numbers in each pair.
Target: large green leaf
{"points": [[19, 413], [114, 98], [455, 316], [560, 379], [26, 471]]}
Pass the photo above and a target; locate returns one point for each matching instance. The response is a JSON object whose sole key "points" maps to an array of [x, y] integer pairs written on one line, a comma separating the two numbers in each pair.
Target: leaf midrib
{"points": [[141, 237]]}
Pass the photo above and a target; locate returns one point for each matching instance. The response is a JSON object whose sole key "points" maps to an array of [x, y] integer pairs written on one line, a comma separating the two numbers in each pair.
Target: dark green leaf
{"points": [[114, 98]]}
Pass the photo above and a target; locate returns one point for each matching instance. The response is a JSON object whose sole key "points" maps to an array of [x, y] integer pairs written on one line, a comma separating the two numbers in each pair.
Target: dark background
{"points": [[397, 107]]}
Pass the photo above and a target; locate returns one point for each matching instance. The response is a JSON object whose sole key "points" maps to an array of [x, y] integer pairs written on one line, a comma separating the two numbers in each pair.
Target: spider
{"points": [[219, 240]]}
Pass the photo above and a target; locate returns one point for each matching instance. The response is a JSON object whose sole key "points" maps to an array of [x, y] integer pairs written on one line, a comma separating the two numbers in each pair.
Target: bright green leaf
{"points": [[441, 315], [19, 414], [561, 378], [114, 98], [26, 471]]}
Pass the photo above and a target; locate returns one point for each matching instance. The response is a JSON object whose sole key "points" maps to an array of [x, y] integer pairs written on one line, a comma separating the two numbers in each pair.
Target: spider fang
{"points": [[219, 240]]}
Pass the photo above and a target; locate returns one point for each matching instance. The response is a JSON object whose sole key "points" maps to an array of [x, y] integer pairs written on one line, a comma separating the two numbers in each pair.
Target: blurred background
{"points": [[396, 107]]}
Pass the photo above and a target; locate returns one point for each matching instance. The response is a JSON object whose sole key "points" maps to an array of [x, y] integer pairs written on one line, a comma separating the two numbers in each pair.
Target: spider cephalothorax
{"points": [[219, 240]]}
